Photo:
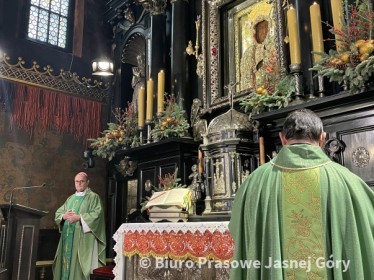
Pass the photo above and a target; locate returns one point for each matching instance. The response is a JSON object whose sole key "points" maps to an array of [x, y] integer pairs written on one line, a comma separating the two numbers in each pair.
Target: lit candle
{"points": [[293, 35], [141, 104], [150, 85], [317, 36], [337, 18], [200, 158], [160, 91]]}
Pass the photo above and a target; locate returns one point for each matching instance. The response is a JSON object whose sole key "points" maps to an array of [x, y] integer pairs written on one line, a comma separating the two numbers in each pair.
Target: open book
{"points": [[178, 197]]}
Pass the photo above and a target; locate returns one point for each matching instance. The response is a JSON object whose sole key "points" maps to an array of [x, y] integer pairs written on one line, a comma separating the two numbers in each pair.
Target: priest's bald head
{"points": [[81, 181]]}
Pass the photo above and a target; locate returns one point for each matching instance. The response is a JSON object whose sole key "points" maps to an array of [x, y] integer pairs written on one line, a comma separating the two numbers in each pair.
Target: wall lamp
{"points": [[102, 67], [88, 156]]}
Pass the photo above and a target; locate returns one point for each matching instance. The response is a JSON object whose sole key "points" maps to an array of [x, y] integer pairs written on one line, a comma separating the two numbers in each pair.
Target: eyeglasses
{"points": [[80, 181]]}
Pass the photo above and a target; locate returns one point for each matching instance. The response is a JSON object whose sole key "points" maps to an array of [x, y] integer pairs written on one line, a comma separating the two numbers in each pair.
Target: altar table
{"points": [[202, 243]]}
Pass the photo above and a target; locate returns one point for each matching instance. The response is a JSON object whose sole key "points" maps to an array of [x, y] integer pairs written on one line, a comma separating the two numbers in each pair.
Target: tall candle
{"points": [[262, 149], [150, 86], [200, 163], [293, 35], [141, 104], [160, 91], [317, 36], [338, 19]]}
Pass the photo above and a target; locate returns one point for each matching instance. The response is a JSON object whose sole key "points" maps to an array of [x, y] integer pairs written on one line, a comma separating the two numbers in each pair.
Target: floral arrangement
{"points": [[169, 181], [273, 89], [353, 65], [262, 100], [172, 123], [118, 135]]}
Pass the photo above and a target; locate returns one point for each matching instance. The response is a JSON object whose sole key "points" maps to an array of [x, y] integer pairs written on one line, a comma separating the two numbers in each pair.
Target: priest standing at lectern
{"points": [[82, 244]]}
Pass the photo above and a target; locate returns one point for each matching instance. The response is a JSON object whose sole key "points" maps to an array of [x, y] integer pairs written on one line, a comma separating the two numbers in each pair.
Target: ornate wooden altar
{"points": [[348, 118], [349, 122], [156, 159]]}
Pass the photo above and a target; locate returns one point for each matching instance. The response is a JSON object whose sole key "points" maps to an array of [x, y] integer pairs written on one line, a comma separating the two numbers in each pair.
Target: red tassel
{"points": [[54, 110]]}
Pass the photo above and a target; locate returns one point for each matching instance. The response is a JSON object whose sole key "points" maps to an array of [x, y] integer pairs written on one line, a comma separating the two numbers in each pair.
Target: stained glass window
{"points": [[49, 21]]}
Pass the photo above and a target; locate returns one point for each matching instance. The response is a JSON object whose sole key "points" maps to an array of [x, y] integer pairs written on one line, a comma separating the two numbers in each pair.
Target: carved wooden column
{"points": [[156, 41], [156, 45], [179, 31]]}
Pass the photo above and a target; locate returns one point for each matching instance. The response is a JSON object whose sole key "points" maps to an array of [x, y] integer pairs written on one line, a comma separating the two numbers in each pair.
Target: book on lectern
{"points": [[174, 200]]}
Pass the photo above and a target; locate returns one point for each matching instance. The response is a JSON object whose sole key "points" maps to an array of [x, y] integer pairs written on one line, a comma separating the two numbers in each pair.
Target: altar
{"points": [[192, 250]]}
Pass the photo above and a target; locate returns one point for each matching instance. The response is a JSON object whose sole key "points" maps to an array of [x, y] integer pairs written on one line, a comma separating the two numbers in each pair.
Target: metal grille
{"points": [[65, 81], [48, 21]]}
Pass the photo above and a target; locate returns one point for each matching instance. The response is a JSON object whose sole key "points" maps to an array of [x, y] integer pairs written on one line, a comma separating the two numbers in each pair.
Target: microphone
{"points": [[21, 188]]}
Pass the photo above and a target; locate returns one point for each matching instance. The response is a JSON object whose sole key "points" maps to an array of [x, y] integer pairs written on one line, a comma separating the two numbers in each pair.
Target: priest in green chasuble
{"points": [[301, 215], [82, 244]]}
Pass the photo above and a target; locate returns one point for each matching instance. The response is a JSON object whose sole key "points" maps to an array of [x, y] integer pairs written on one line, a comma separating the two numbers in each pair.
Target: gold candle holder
{"points": [[191, 50], [141, 136]]}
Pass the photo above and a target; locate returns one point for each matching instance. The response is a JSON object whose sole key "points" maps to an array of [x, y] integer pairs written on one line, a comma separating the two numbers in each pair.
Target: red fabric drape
{"points": [[68, 114]]}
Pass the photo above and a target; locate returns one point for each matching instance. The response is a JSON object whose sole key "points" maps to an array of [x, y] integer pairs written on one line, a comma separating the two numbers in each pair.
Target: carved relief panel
{"points": [[359, 153]]}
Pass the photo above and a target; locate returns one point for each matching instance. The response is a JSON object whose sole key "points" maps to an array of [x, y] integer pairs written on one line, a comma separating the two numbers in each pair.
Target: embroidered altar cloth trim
{"points": [[189, 240]]}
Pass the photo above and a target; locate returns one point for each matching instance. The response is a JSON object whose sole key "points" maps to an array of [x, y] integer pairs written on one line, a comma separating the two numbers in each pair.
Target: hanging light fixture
{"points": [[102, 67]]}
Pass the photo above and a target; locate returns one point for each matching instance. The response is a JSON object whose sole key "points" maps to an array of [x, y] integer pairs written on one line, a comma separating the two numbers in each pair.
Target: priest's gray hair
{"points": [[302, 124]]}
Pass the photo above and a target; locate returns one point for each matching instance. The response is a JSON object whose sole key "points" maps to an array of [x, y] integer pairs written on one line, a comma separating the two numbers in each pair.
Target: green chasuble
{"points": [[302, 216], [74, 256], [67, 238]]}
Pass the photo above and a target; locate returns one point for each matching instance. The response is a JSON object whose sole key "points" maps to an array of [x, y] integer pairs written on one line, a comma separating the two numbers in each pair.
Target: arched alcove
{"points": [[133, 47]]}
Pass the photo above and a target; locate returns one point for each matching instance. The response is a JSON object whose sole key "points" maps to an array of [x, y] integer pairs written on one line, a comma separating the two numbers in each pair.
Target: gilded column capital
{"points": [[155, 7]]}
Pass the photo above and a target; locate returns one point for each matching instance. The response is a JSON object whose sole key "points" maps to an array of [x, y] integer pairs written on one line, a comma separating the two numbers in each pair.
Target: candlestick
{"points": [[149, 113], [141, 104], [149, 129], [141, 140], [160, 91], [321, 87], [293, 35], [317, 36], [338, 19], [295, 70], [208, 199]]}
